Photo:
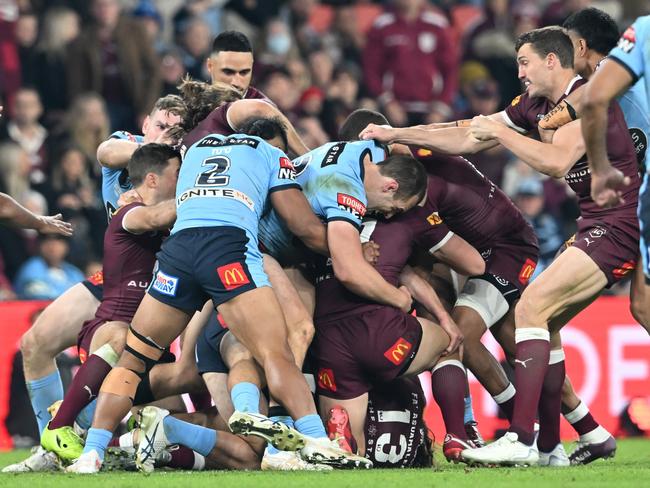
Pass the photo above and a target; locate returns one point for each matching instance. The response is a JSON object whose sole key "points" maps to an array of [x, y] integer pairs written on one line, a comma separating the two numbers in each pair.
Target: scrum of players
{"points": [[292, 283]]}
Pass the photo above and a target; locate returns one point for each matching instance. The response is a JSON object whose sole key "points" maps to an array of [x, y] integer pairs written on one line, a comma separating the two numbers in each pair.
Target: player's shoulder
{"points": [[126, 136], [120, 212]]}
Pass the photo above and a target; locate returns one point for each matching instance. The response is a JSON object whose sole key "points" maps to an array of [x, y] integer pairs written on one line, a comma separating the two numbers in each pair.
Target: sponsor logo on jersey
{"points": [[300, 164], [326, 379], [333, 153], [434, 219], [97, 278], [211, 141], [423, 153], [625, 268], [351, 204], [640, 141], [138, 284], [398, 352], [232, 276], [165, 284], [597, 232], [515, 101], [230, 193], [527, 271], [287, 171], [628, 40]]}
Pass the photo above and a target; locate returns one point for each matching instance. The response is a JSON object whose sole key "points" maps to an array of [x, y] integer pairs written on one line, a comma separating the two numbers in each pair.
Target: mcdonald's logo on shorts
{"points": [[97, 278], [527, 271], [232, 276], [83, 355], [398, 352], [625, 268], [326, 379]]}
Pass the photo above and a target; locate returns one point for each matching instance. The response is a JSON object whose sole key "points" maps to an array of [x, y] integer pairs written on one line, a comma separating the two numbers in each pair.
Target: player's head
{"points": [[231, 60], [167, 111], [395, 185], [272, 130], [153, 170], [543, 55], [590, 29], [359, 120]]}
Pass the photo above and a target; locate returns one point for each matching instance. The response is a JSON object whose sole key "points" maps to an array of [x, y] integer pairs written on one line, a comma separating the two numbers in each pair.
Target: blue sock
{"points": [[286, 420], [98, 439], [469, 411], [43, 392], [85, 417], [196, 437], [246, 397], [311, 425]]}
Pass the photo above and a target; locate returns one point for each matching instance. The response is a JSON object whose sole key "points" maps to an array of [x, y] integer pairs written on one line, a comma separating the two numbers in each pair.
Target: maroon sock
{"points": [[182, 458], [84, 388], [114, 442], [201, 401], [550, 403], [533, 349], [448, 387]]}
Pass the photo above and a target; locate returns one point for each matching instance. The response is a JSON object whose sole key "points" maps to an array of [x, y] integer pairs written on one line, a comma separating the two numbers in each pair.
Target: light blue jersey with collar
{"points": [[116, 181], [331, 177], [225, 181]]}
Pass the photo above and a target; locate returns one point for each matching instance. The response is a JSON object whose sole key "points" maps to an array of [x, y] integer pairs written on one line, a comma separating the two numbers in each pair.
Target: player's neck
{"points": [[562, 85], [148, 195], [593, 60]]}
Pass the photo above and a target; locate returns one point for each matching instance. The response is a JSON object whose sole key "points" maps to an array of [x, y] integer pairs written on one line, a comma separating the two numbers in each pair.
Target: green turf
{"points": [[631, 467]]}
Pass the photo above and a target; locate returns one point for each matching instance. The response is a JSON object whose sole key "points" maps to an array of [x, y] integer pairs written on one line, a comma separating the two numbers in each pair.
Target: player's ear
{"points": [[390, 186], [145, 124]]}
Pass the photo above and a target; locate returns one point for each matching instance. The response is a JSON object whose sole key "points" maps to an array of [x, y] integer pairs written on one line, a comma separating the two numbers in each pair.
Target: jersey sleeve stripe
{"points": [[444, 241], [124, 221], [634, 76], [356, 224], [285, 187], [511, 124]]}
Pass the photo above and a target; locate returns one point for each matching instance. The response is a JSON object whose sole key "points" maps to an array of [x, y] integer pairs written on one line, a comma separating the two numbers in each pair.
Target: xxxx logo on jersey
{"points": [[434, 219]]}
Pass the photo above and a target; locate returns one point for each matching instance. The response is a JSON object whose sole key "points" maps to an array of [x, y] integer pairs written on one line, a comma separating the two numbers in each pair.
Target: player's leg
{"points": [[55, 330], [640, 295], [245, 376], [356, 409], [572, 278]]}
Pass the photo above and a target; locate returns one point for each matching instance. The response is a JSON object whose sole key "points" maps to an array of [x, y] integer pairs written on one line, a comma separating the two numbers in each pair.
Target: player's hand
{"points": [[484, 128], [406, 302], [128, 197], [370, 252], [381, 133], [165, 137], [54, 225], [607, 187], [455, 336]]}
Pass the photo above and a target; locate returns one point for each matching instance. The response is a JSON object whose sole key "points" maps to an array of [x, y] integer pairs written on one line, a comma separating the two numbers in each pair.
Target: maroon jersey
{"points": [[128, 265], [396, 436], [524, 113]]}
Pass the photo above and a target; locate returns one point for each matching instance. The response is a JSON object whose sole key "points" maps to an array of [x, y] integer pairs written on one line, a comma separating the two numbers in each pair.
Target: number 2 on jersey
{"points": [[214, 176]]}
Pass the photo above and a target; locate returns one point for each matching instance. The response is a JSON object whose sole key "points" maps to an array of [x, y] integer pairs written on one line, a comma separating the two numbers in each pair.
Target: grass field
{"points": [[631, 467]]}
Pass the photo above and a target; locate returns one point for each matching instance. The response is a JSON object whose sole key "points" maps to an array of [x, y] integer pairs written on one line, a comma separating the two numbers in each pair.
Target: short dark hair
{"points": [[409, 174], [357, 121], [548, 40], [172, 104], [231, 41], [264, 128], [597, 28], [150, 158]]}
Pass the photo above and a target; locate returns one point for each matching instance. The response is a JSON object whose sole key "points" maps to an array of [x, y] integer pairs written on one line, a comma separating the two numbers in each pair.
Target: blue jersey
{"points": [[331, 177], [116, 181], [225, 181], [632, 53]]}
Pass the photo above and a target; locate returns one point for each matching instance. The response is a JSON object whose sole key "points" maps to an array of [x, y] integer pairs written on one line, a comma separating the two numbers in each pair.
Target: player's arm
{"points": [[460, 256], [355, 273], [14, 214], [450, 140], [554, 159], [115, 153], [426, 295], [294, 209], [143, 219], [242, 110]]}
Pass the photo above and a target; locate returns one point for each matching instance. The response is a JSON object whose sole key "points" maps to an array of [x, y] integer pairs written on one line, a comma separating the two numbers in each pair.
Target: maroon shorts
{"points": [[355, 351], [612, 242], [86, 335]]}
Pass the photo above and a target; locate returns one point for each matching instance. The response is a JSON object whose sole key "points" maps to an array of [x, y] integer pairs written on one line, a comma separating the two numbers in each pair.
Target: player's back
{"points": [[128, 265], [225, 181], [215, 123], [634, 104]]}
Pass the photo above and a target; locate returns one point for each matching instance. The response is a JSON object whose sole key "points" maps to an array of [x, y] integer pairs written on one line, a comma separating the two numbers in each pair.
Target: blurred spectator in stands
{"points": [[48, 275], [6, 290], [9, 60], [115, 58], [208, 10], [279, 87], [529, 198], [341, 98], [311, 132], [26, 35], [321, 67], [298, 13], [299, 72], [349, 38], [196, 43], [250, 17], [149, 19], [86, 126], [558, 11], [310, 103], [411, 64], [278, 46], [172, 71], [60, 27], [25, 130]]}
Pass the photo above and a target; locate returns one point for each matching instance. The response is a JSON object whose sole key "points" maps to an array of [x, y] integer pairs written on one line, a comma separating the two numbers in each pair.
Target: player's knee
{"points": [[303, 332], [528, 310]]}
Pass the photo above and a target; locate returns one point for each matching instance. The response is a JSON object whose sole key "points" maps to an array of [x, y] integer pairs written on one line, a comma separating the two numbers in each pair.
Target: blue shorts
{"points": [[203, 263], [208, 344], [643, 213]]}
